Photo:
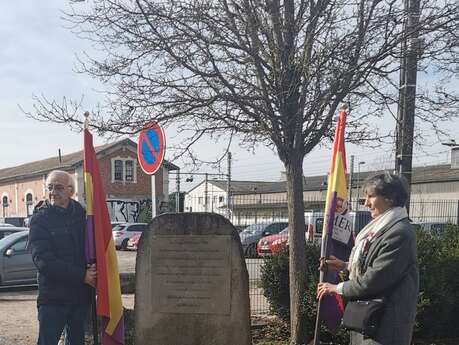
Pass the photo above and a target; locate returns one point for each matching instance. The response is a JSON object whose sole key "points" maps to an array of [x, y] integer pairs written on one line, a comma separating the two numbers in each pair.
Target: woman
{"points": [[383, 263]]}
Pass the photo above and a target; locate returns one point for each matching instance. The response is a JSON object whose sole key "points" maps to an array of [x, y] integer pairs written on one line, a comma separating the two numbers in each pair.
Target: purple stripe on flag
{"points": [[330, 312], [118, 334], [90, 248], [325, 249]]}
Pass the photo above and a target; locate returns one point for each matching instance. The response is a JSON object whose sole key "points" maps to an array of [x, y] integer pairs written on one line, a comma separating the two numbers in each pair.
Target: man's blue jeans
{"points": [[53, 318]]}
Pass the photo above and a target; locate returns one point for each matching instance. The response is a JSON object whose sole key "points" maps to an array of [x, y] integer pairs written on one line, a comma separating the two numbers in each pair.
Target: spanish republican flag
{"points": [[337, 237], [101, 249]]}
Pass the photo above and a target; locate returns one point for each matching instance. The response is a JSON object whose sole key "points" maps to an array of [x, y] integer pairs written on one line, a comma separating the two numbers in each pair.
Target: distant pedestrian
{"points": [[57, 243], [383, 263]]}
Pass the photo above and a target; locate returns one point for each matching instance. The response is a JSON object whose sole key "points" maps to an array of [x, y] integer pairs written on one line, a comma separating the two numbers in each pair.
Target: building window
{"points": [[5, 206], [123, 170], [29, 204], [221, 199], [118, 170], [129, 170]]}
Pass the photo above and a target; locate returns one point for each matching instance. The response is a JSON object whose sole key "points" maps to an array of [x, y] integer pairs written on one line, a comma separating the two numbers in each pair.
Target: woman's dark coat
{"points": [[391, 272]]}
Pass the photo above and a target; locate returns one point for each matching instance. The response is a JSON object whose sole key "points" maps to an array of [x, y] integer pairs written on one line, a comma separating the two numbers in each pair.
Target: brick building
{"points": [[126, 185]]}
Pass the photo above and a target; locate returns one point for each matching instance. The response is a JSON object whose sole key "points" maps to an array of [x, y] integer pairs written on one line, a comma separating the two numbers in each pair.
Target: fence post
{"points": [[457, 216]]}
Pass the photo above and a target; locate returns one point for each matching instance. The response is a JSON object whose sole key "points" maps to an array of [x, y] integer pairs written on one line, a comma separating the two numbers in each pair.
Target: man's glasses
{"points": [[59, 188]]}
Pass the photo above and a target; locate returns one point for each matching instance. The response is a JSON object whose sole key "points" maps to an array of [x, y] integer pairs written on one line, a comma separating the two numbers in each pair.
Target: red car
{"points": [[270, 245], [133, 242]]}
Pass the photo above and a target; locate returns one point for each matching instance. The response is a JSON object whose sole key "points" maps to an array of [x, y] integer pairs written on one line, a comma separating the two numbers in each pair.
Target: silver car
{"points": [[16, 265], [123, 232], [8, 230], [253, 233]]}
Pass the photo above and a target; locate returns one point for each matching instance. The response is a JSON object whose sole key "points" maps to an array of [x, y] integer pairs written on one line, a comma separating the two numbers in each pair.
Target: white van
{"points": [[315, 220]]}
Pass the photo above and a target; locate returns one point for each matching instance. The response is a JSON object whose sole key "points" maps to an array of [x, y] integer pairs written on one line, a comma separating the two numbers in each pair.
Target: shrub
{"points": [[275, 283], [438, 303]]}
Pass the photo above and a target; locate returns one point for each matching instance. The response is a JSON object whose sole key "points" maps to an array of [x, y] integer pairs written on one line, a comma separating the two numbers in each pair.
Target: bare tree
{"points": [[269, 71]]}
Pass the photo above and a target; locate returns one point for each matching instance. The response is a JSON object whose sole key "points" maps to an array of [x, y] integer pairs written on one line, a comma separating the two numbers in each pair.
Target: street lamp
{"points": [[358, 184]]}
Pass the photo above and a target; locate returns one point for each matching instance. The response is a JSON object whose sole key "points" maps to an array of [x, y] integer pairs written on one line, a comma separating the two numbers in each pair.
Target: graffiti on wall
{"points": [[132, 211]]}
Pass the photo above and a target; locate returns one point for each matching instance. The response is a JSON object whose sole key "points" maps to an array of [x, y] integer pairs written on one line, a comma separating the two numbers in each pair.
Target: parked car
{"points": [[431, 227], [16, 265], [315, 222], [115, 224], [252, 234], [8, 230], [272, 244], [123, 232], [313, 233], [133, 242]]}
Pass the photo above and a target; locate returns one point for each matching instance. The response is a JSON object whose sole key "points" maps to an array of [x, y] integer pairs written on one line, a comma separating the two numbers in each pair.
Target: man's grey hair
{"points": [[70, 178]]}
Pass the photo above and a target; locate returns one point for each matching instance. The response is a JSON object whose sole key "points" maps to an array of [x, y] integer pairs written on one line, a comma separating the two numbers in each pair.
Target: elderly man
{"points": [[57, 243]]}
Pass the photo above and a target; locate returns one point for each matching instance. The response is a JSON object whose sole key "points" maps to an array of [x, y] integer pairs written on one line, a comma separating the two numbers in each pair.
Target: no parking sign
{"points": [[151, 148]]}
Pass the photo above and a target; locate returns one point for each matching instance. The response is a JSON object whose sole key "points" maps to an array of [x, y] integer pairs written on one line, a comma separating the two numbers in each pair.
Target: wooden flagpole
{"points": [[95, 328]]}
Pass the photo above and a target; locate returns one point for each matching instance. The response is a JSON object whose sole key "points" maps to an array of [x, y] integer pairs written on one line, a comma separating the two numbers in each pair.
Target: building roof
{"points": [[250, 187], [425, 174], [264, 187], [68, 162]]}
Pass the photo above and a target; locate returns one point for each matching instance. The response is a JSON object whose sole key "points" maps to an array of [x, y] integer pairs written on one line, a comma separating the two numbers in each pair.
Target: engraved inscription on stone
{"points": [[192, 274]]}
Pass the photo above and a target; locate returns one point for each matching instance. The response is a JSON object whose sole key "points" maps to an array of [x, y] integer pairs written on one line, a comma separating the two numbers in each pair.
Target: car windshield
{"points": [[253, 229], [284, 232], [118, 227], [7, 239]]}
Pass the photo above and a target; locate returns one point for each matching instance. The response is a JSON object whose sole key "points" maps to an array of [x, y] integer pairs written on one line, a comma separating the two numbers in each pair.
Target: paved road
{"points": [[126, 262]]}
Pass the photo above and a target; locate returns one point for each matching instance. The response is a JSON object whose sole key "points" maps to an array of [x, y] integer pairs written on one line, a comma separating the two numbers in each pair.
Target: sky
{"points": [[38, 58]]}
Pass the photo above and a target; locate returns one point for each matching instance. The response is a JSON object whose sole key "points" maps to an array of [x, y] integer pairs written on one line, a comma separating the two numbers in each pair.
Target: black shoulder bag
{"points": [[363, 316]]}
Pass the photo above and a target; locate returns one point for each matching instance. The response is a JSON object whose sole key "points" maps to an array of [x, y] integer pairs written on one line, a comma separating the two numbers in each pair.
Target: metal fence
{"points": [[421, 211], [253, 209]]}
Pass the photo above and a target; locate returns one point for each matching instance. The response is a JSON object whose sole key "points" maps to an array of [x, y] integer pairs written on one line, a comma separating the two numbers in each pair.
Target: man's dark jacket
{"points": [[57, 244]]}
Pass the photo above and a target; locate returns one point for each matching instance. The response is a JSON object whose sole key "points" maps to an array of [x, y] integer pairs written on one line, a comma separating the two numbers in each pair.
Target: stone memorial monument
{"points": [[191, 283]]}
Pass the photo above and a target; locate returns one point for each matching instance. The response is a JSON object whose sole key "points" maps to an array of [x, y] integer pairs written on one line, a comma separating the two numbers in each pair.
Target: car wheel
{"points": [[124, 244]]}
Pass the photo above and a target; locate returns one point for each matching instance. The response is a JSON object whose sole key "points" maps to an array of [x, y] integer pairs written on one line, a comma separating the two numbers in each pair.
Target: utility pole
{"points": [[228, 187], [407, 93], [359, 183], [177, 193], [206, 192], [351, 172]]}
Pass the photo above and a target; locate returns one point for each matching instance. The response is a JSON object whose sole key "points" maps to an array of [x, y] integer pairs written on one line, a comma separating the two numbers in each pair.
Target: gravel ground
{"points": [[18, 315], [18, 308]]}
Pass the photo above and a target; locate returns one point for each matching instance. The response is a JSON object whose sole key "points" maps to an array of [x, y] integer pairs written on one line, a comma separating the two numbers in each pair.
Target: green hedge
{"points": [[438, 305], [275, 283]]}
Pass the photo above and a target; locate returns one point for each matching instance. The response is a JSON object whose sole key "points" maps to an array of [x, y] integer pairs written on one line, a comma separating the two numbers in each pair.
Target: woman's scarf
{"points": [[367, 235]]}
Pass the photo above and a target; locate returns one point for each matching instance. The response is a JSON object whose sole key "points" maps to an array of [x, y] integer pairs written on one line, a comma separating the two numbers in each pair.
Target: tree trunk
{"points": [[294, 170]]}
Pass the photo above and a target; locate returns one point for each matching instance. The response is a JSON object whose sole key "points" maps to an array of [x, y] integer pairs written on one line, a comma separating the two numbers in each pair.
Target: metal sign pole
{"points": [[153, 196]]}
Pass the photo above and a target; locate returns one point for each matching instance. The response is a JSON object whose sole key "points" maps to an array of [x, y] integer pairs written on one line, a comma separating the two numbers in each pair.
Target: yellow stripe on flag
{"points": [[114, 290], [88, 193]]}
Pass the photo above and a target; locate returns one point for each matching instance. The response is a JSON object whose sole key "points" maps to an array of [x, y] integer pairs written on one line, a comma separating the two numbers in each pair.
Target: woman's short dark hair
{"points": [[389, 186]]}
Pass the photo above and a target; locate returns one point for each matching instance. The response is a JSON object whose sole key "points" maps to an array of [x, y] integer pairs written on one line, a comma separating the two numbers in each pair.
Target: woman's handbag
{"points": [[363, 316]]}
